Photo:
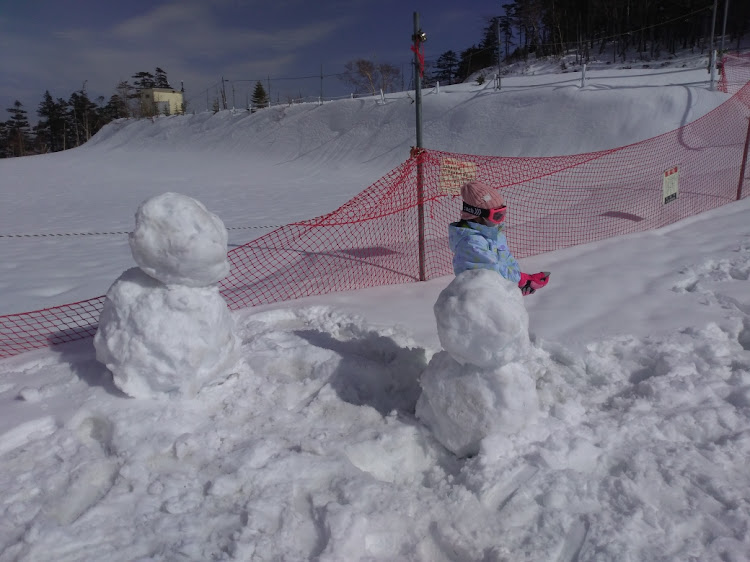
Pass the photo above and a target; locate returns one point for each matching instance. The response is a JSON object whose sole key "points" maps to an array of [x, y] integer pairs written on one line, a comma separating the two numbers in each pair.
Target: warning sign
{"points": [[669, 185], [454, 173]]}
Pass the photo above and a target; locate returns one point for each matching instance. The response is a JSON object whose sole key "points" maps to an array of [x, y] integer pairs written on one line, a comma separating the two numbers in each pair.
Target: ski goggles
{"points": [[495, 216]]}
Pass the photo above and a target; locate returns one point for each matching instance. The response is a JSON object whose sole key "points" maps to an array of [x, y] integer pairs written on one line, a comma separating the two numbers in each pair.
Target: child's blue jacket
{"points": [[476, 246]]}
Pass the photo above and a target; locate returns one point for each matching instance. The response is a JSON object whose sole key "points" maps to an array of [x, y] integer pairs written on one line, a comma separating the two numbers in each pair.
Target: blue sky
{"points": [[58, 45]]}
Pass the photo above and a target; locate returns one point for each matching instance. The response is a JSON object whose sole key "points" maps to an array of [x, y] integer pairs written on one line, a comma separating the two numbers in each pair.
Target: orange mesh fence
{"points": [[554, 202]]}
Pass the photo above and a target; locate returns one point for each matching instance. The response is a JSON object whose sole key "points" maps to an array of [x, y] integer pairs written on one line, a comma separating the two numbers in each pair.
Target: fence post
{"points": [[418, 37], [713, 70], [744, 162], [583, 75]]}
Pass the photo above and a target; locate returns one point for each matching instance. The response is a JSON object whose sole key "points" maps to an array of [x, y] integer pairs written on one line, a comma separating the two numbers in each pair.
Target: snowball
{"points": [[161, 340], [178, 241], [463, 404], [482, 320]]}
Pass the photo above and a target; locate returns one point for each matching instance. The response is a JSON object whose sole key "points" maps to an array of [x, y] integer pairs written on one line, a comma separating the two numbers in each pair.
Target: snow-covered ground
{"points": [[310, 449]]}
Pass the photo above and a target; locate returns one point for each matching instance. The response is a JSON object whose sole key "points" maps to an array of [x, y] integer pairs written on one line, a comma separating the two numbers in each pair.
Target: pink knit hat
{"points": [[479, 194]]}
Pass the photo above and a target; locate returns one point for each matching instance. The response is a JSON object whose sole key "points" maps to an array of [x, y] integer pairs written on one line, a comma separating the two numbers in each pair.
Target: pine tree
{"points": [[143, 81], [116, 108], [446, 68], [490, 39], [50, 131], [83, 114], [160, 79], [18, 135], [127, 93], [260, 97], [506, 29], [3, 139]]}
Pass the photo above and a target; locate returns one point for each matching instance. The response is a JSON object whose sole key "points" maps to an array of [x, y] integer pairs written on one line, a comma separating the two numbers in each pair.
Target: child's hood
{"points": [[458, 231]]}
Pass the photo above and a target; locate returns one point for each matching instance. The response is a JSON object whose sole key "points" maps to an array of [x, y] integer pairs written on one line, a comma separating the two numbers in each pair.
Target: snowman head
{"points": [[179, 242]]}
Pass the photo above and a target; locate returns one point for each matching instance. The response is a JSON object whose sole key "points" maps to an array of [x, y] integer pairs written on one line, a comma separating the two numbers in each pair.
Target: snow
{"points": [[481, 384], [164, 340], [179, 242], [481, 320], [164, 330], [631, 445]]}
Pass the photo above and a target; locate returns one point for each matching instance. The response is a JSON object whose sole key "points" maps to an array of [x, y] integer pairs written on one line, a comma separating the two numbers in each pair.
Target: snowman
{"points": [[164, 330], [480, 384]]}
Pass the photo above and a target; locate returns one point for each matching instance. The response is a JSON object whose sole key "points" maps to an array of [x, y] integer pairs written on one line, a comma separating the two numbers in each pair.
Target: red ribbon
{"points": [[419, 51]]}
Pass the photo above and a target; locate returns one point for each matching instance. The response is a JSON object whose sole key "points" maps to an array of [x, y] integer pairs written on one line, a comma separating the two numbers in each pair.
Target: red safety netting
{"points": [[739, 73], [555, 202]]}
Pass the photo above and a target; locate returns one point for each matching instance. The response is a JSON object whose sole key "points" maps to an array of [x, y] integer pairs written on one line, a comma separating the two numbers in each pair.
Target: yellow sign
{"points": [[669, 185], [454, 173]]}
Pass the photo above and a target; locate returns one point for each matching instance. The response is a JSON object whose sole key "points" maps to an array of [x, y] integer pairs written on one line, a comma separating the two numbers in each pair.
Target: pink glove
{"points": [[530, 283]]}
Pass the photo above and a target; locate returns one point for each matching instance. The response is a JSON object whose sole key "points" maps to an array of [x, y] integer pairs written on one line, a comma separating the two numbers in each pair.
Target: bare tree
{"points": [[389, 74], [360, 73], [367, 76]]}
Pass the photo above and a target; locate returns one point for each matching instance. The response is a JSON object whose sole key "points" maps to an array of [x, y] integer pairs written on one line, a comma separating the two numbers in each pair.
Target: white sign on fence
{"points": [[669, 185], [454, 173]]}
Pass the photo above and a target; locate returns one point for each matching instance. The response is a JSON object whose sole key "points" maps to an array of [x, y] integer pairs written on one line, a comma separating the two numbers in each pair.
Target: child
{"points": [[478, 240]]}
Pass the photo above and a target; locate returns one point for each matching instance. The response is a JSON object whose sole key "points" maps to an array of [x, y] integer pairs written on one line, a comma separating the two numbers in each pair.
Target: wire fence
{"points": [[557, 202], [118, 233], [285, 90]]}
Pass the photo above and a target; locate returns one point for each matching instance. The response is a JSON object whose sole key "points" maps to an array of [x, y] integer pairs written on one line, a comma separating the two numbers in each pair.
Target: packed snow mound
{"points": [[164, 341], [482, 320], [178, 241], [481, 385], [463, 404]]}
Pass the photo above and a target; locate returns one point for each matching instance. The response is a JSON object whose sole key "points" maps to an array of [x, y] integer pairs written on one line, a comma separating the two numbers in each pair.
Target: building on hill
{"points": [[161, 101]]}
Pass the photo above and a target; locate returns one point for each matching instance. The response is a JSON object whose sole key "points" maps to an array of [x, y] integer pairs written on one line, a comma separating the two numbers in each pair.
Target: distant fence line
{"points": [[557, 202], [237, 93]]}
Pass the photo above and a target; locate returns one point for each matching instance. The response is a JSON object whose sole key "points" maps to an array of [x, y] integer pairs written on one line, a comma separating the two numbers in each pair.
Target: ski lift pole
{"points": [[724, 27], [712, 54], [419, 37]]}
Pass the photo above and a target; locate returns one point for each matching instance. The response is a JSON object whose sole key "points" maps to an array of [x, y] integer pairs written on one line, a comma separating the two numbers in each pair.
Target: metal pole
{"points": [[418, 102], [321, 83], [724, 27], [744, 163], [711, 60], [498, 46]]}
